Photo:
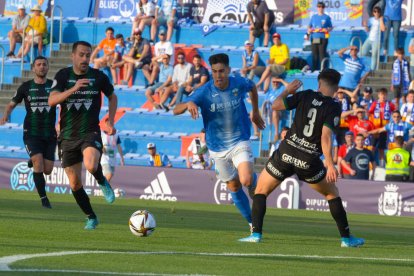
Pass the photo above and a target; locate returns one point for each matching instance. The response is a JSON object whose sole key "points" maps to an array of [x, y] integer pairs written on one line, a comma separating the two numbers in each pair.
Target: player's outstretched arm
{"points": [[180, 108], [326, 142], [190, 106], [7, 111], [256, 117], [290, 88]]}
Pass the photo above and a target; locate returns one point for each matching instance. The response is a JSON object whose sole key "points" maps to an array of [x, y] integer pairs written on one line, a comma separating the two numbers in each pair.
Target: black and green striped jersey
{"points": [[40, 117], [79, 113]]}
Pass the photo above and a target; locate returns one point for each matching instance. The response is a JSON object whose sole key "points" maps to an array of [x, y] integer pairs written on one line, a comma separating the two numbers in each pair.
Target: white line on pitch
{"points": [[8, 260]]}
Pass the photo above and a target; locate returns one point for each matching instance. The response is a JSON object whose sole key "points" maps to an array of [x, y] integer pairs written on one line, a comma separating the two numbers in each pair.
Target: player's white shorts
{"points": [[226, 162]]}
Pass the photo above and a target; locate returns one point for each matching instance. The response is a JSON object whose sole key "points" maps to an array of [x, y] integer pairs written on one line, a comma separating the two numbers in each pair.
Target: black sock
{"points": [[258, 212], [83, 201], [40, 183], [99, 175], [339, 214]]}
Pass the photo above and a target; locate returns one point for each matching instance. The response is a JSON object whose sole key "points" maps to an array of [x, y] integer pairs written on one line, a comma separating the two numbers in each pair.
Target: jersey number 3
{"points": [[308, 129]]}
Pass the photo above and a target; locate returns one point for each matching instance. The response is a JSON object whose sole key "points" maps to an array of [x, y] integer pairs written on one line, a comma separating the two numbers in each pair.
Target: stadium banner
{"points": [[11, 5], [232, 11], [342, 12], [201, 11], [169, 184]]}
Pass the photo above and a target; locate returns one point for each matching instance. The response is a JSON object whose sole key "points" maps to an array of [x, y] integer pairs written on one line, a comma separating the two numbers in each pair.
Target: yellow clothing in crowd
{"points": [[279, 54]]}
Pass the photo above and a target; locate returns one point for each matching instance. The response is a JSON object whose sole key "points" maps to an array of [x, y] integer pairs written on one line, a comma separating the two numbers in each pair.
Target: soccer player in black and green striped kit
{"points": [[78, 90], [39, 134]]}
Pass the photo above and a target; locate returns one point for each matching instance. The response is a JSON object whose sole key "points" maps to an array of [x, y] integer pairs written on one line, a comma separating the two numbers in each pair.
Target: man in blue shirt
{"points": [[355, 70], [393, 14], [164, 80], [227, 126]]}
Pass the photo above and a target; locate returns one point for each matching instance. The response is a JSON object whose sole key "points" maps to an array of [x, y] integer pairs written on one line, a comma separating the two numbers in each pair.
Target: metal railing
{"points": [[359, 40], [51, 26], [323, 63], [2, 65], [24, 46]]}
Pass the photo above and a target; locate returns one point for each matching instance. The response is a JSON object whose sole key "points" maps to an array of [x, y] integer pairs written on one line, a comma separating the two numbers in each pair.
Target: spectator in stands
{"points": [[139, 56], [342, 151], [407, 109], [271, 116], [108, 46], [250, 59], [398, 162], [161, 49], [346, 104], [358, 160], [400, 77], [411, 51], [355, 70], [111, 144], [410, 148], [359, 124], [198, 150], [278, 62], [180, 76], [165, 15], [367, 99], [318, 30], [276, 145], [380, 114], [375, 26], [261, 19], [164, 80], [35, 31], [19, 24], [145, 17], [198, 76], [395, 128], [121, 48], [393, 13], [157, 159]]}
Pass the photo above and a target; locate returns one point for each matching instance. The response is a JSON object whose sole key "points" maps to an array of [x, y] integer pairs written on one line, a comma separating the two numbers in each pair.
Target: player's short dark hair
{"points": [[80, 42], [109, 29], [119, 36], [197, 56], [219, 58], [330, 76], [39, 58], [399, 140]]}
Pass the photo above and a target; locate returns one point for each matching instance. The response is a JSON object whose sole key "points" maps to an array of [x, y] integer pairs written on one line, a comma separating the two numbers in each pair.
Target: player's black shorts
{"points": [[44, 145], [380, 141], [288, 160], [71, 151]]}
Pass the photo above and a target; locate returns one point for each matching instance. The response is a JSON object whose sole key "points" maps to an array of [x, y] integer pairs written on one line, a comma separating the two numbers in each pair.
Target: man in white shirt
{"points": [[19, 24], [198, 149], [111, 145], [179, 79]]}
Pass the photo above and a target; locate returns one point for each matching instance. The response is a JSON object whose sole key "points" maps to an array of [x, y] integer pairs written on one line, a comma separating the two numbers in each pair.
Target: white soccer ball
{"points": [[119, 192], [142, 223]]}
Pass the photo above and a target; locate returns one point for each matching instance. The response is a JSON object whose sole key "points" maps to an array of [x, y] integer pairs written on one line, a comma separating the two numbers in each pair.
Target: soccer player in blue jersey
{"points": [[227, 126]]}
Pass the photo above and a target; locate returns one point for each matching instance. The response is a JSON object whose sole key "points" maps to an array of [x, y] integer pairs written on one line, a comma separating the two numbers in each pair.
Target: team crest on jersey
{"points": [[235, 91], [336, 121], [390, 202]]}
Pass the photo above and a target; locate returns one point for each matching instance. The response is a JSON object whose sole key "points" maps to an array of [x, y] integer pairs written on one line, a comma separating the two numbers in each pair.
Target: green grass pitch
{"points": [[194, 238]]}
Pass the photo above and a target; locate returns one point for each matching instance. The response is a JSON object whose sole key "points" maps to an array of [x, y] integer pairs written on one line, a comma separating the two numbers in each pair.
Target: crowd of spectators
{"points": [[370, 124]]}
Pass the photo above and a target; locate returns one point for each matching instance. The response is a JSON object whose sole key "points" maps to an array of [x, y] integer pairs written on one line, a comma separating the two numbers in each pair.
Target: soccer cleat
{"points": [[91, 223], [254, 237], [46, 203], [352, 242], [108, 192]]}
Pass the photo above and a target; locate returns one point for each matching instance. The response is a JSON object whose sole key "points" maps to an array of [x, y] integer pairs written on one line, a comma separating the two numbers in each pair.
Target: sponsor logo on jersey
{"points": [[275, 171], [315, 102], [295, 161]]}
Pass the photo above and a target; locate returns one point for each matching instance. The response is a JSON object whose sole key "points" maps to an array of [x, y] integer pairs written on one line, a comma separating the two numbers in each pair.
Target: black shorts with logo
{"points": [[287, 160], [71, 151], [44, 145]]}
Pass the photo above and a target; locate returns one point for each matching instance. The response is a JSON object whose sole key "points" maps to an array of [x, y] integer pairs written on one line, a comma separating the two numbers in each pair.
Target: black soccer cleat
{"points": [[46, 203]]}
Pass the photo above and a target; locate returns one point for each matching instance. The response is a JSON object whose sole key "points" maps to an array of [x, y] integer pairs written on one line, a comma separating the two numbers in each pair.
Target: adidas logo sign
{"points": [[159, 189]]}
